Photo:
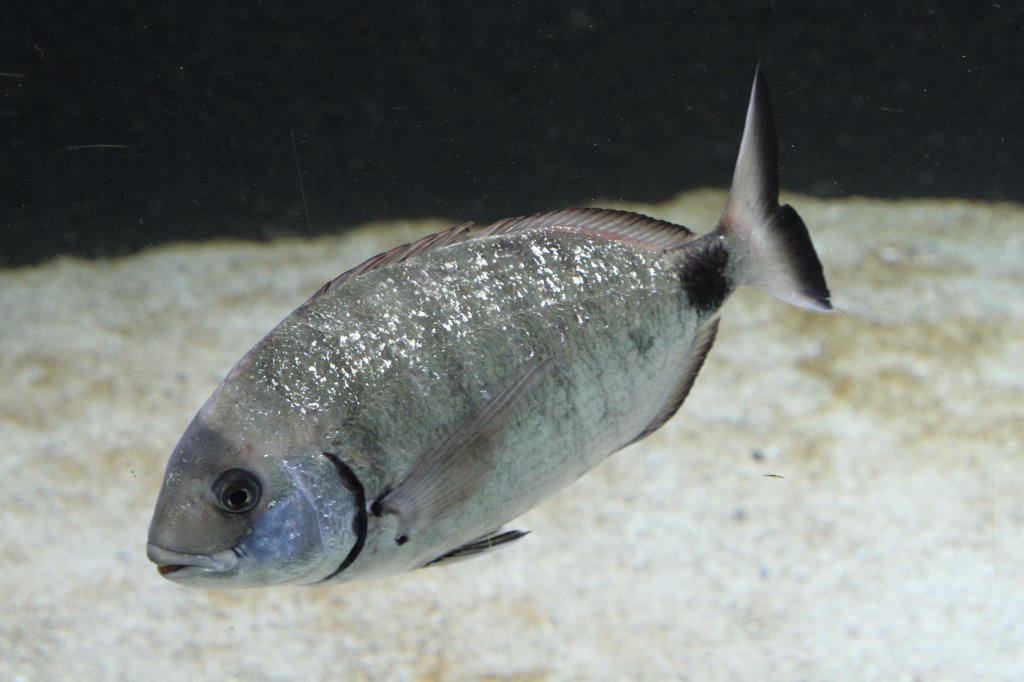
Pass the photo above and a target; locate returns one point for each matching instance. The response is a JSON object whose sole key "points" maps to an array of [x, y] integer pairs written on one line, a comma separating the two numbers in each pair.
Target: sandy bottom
{"points": [[890, 545]]}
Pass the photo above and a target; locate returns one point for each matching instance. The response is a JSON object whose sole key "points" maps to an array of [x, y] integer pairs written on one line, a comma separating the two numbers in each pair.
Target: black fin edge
{"points": [[803, 260], [481, 545]]}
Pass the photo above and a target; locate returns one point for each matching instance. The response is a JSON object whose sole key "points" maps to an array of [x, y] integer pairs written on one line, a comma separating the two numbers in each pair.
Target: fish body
{"points": [[417, 403]]}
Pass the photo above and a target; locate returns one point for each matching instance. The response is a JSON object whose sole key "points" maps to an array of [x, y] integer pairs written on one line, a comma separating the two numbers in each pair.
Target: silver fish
{"points": [[423, 399]]}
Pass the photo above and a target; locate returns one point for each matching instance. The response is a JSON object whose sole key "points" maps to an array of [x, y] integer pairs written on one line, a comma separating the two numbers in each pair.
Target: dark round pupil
{"points": [[238, 497], [236, 490]]}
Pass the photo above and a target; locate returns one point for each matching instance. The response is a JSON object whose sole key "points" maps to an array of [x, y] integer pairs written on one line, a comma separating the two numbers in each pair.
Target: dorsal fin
{"points": [[400, 253], [600, 223]]}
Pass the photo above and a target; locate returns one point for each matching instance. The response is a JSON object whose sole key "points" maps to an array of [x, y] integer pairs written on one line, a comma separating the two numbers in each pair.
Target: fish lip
{"points": [[179, 566]]}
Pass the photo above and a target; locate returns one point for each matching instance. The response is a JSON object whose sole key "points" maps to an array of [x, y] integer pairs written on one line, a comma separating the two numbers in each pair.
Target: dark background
{"points": [[126, 124]]}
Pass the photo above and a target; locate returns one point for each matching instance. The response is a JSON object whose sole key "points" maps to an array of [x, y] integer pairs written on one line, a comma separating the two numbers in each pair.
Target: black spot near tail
{"points": [[702, 274]]}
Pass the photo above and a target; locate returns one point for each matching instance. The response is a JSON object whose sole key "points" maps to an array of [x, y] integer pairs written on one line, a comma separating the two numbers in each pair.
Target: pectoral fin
{"points": [[455, 468]]}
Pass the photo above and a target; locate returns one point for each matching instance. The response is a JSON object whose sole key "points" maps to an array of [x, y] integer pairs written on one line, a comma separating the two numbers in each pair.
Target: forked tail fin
{"points": [[772, 243]]}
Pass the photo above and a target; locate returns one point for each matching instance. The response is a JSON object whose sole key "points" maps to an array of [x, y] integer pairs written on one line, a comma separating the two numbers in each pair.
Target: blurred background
{"points": [[129, 124]]}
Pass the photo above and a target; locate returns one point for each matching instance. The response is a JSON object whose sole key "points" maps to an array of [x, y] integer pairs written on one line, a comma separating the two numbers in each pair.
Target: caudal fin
{"points": [[771, 240]]}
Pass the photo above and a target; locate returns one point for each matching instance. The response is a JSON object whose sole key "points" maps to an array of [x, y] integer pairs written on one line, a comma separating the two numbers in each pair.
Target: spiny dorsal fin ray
{"points": [[599, 223], [455, 468], [483, 545], [699, 350]]}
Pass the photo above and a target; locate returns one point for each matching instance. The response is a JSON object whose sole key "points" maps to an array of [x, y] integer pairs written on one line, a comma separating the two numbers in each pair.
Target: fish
{"points": [[419, 402]]}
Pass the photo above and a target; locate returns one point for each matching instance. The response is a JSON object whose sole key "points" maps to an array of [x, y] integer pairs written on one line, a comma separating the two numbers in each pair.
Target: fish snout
{"points": [[177, 565]]}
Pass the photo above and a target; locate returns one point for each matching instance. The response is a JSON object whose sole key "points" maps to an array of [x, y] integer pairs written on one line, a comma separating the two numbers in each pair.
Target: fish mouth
{"points": [[178, 566]]}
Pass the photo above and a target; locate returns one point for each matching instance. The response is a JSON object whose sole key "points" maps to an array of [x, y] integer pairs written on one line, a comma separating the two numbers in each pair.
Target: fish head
{"points": [[251, 507]]}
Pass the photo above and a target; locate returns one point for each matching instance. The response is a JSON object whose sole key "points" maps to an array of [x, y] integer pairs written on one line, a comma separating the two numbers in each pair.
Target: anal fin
{"points": [[699, 350], [479, 546]]}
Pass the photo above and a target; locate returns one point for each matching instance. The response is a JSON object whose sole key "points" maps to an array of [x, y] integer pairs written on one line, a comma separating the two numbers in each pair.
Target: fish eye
{"points": [[237, 490]]}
